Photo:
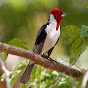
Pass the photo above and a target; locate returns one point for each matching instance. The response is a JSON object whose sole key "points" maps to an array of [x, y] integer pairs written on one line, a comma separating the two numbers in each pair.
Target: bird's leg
{"points": [[50, 59], [46, 56]]}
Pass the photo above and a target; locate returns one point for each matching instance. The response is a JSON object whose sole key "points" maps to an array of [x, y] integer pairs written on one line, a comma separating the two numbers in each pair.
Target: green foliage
{"points": [[64, 82], [43, 78], [18, 43], [71, 37], [15, 42], [16, 72], [40, 77], [69, 34], [76, 47], [4, 56], [84, 31], [19, 15], [2, 78], [18, 69], [14, 77], [23, 86], [79, 82]]}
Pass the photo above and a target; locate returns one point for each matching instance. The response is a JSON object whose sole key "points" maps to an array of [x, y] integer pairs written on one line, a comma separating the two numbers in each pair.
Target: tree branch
{"points": [[40, 60]]}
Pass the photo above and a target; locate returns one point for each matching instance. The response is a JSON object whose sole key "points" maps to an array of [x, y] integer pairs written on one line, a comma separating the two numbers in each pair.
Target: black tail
{"points": [[26, 75]]}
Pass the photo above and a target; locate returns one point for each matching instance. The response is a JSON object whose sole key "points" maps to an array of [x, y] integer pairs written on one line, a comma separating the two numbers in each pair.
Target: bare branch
{"points": [[40, 60]]}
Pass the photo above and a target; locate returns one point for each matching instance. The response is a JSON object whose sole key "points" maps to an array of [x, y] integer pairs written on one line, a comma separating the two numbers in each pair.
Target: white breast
{"points": [[52, 36]]}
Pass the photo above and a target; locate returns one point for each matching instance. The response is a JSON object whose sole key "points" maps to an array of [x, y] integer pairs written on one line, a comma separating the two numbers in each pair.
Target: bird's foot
{"points": [[47, 57]]}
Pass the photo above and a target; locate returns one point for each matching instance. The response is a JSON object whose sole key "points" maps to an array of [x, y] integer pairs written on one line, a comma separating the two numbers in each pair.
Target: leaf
{"points": [[15, 42], [23, 85], [4, 56], [18, 43], [39, 71], [69, 34], [84, 31], [2, 78], [64, 82], [14, 77], [34, 74], [76, 47], [19, 67], [79, 82]]}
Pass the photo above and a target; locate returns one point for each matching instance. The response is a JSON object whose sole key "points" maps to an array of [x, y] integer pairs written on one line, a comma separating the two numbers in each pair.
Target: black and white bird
{"points": [[46, 39]]}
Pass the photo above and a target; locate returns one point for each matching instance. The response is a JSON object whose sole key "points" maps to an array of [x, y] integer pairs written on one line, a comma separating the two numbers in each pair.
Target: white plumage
{"points": [[52, 35]]}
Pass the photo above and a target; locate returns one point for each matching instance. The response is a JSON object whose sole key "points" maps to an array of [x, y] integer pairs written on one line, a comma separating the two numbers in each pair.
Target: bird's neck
{"points": [[53, 20]]}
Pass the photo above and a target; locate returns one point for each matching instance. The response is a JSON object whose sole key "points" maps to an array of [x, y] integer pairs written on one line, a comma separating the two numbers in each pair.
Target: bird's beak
{"points": [[64, 14]]}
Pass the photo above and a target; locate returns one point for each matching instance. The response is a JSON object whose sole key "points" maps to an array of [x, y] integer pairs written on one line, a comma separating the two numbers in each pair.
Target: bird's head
{"points": [[58, 14]]}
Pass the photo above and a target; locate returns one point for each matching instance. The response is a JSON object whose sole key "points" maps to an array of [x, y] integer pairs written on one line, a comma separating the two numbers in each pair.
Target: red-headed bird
{"points": [[46, 39]]}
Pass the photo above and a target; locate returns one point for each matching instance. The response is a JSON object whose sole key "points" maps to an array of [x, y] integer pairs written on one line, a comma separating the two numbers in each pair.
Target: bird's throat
{"points": [[58, 24]]}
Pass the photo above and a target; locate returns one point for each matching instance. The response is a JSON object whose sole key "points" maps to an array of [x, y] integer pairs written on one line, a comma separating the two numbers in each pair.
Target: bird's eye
{"points": [[58, 13]]}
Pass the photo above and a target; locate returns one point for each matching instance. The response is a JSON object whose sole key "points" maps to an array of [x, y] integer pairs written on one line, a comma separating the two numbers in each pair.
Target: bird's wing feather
{"points": [[40, 38]]}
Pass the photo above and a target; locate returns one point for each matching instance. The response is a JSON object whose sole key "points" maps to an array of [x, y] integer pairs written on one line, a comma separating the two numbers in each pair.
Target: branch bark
{"points": [[40, 60]]}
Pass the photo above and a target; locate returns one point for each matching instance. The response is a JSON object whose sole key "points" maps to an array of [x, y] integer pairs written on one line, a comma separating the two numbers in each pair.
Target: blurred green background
{"points": [[23, 18]]}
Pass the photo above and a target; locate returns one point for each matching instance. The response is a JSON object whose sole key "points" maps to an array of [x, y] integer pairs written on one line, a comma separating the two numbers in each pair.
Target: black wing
{"points": [[40, 38]]}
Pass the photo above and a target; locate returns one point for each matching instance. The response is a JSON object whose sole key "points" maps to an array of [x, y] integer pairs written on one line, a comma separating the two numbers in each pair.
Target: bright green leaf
{"points": [[23, 85], [2, 78], [84, 31], [39, 70], [18, 43], [14, 78], [69, 34], [18, 67], [76, 47], [15, 42], [4, 56]]}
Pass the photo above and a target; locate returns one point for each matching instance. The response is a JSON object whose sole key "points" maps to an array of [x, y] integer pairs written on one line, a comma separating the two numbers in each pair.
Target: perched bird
{"points": [[46, 39]]}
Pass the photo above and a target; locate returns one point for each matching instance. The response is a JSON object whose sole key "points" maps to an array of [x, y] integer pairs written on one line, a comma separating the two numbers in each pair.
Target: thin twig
{"points": [[6, 72]]}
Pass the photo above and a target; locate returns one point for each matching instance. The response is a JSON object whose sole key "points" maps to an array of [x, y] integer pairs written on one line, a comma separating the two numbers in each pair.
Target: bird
{"points": [[46, 39]]}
